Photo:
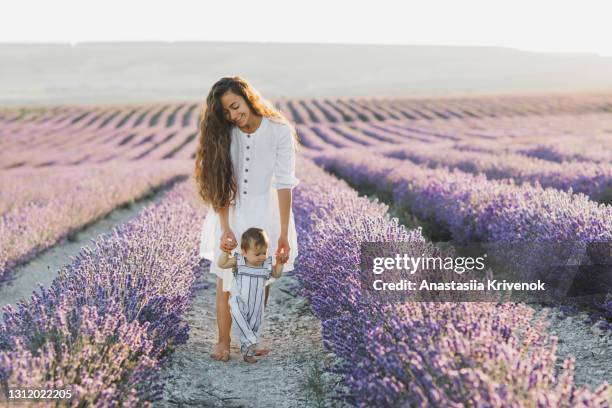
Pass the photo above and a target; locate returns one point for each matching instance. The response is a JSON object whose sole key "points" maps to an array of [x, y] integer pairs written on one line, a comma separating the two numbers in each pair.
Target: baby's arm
{"points": [[277, 270], [226, 261]]}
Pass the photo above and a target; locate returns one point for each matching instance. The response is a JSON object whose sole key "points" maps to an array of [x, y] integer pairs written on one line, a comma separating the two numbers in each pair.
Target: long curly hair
{"points": [[213, 167]]}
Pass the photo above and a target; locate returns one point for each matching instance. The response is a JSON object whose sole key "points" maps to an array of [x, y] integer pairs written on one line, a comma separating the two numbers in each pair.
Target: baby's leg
{"points": [[249, 355], [255, 322], [243, 328]]}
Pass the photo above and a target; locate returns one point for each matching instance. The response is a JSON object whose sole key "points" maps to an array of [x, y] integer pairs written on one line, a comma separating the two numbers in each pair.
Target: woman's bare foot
{"points": [[220, 352], [262, 352], [250, 359]]}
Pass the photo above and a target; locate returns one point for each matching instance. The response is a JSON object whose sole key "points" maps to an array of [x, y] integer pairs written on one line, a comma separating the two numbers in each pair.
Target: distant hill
{"points": [[110, 73]]}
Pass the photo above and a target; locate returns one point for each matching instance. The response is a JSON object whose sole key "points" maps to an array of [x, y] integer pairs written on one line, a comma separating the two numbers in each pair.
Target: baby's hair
{"points": [[255, 236]]}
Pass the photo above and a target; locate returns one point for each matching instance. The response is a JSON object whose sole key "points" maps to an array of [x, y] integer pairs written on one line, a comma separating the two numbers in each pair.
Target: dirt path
{"points": [[592, 347], [290, 331]]}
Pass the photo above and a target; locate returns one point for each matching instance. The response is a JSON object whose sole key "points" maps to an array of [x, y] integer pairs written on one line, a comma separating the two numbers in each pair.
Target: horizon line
{"points": [[75, 43]]}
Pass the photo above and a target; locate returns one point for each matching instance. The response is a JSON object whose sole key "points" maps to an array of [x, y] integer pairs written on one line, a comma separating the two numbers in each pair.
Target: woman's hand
{"points": [[228, 241], [282, 249]]}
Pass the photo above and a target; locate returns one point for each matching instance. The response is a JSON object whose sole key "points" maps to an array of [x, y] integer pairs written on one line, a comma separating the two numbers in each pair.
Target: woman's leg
{"points": [[224, 324]]}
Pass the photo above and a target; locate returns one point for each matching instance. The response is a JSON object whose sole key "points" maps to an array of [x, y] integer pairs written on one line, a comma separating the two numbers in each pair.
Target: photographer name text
{"points": [[472, 285]]}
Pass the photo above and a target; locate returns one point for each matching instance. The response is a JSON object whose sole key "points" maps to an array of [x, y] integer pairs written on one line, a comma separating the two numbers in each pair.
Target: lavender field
{"points": [[471, 169]]}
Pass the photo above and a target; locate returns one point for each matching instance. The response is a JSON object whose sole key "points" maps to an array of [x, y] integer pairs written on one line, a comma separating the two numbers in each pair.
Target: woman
{"points": [[245, 170]]}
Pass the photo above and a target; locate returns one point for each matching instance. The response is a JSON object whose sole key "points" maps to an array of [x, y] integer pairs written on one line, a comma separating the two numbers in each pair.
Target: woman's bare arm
{"points": [[277, 270], [224, 218], [284, 205]]}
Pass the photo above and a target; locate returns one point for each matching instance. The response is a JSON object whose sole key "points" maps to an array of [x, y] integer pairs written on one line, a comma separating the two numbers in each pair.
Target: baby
{"points": [[252, 269]]}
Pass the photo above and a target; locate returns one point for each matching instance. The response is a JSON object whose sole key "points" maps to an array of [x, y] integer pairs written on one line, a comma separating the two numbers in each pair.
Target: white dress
{"points": [[263, 162]]}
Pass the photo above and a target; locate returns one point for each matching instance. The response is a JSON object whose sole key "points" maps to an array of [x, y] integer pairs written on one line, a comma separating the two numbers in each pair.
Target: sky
{"points": [[531, 25]]}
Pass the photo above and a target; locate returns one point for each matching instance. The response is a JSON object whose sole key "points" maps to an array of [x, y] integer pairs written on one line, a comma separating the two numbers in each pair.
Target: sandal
{"points": [[249, 355]]}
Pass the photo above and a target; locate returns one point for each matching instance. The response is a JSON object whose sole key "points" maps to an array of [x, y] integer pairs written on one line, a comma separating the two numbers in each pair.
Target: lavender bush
{"points": [[592, 179], [417, 354], [43, 206], [110, 318], [474, 208]]}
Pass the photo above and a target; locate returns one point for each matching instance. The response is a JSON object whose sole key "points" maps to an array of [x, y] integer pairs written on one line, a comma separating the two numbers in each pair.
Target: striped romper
{"points": [[247, 300]]}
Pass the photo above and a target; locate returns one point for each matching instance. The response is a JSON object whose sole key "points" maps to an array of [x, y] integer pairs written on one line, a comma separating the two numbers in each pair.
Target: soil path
{"points": [[290, 376]]}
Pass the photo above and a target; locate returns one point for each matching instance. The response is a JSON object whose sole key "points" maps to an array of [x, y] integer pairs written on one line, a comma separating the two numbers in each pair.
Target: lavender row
{"points": [[347, 110], [592, 179], [320, 110], [567, 152], [474, 208], [107, 322], [556, 148], [471, 208], [161, 131], [49, 205], [589, 149], [79, 146], [578, 132], [417, 354]]}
